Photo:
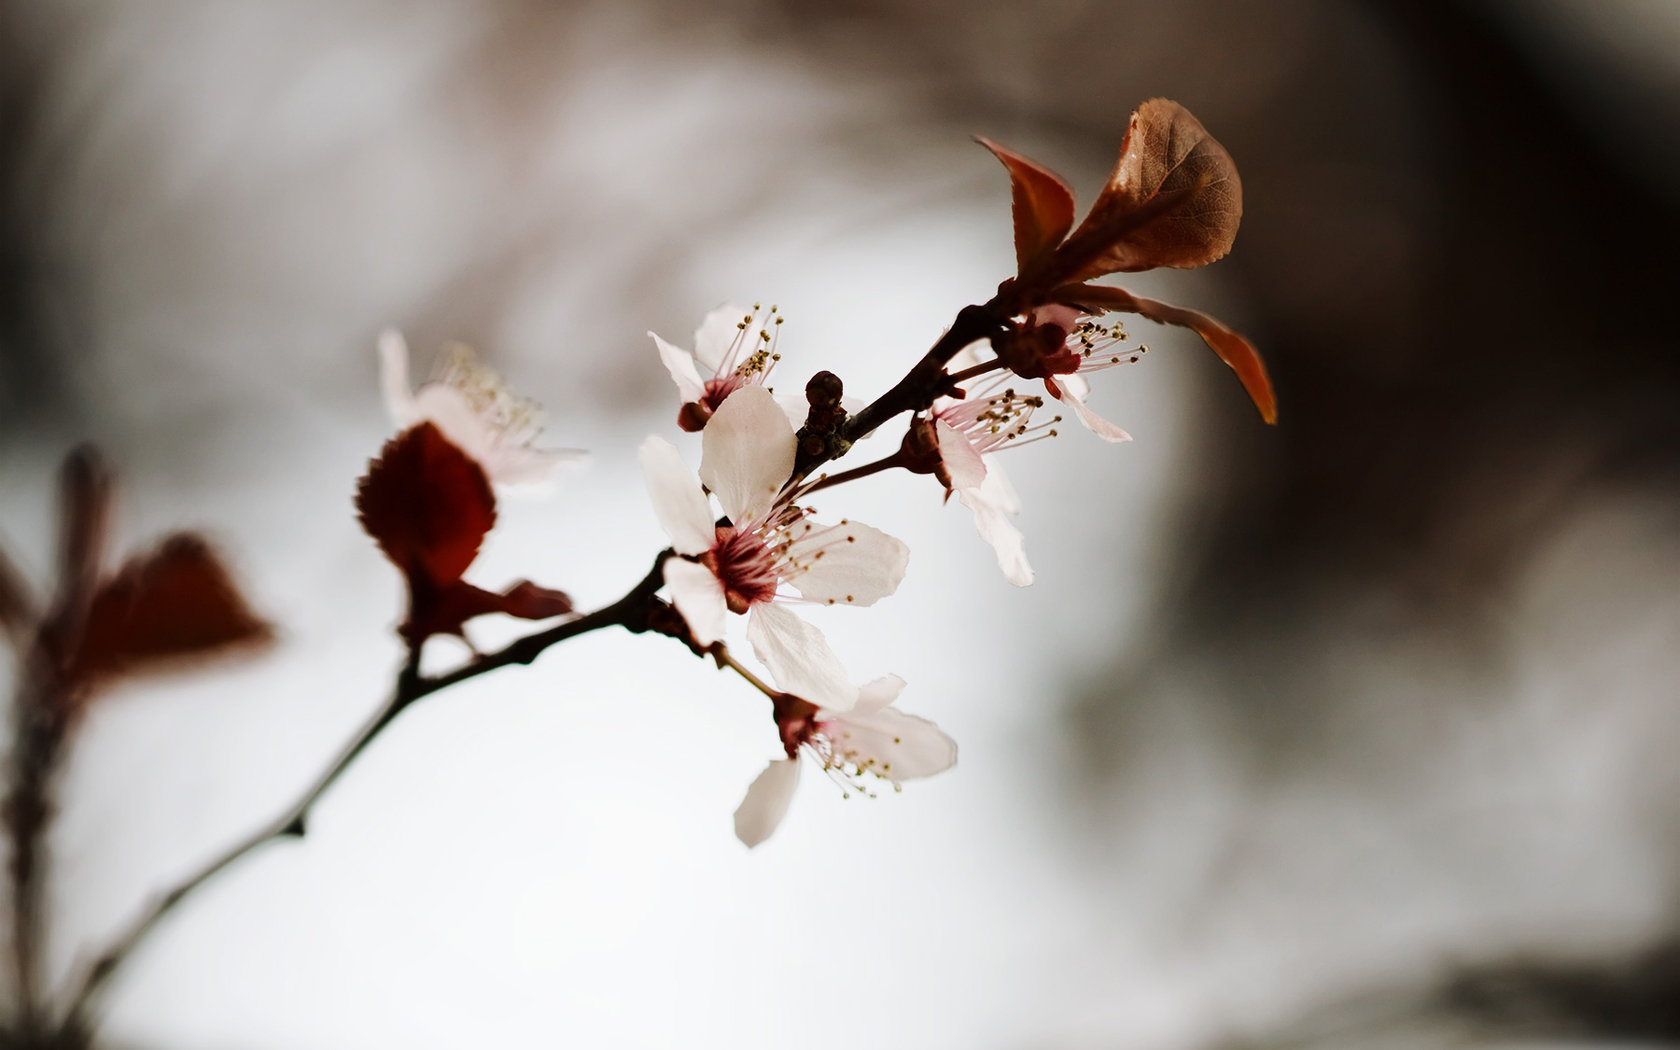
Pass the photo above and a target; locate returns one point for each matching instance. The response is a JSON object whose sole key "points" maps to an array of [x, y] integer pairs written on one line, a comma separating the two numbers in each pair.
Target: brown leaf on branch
{"points": [[1174, 200], [427, 504], [170, 607], [1040, 202], [446, 608], [1231, 347]]}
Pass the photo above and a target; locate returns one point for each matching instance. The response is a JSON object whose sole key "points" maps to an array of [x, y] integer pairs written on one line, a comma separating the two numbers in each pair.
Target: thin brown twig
{"points": [[629, 611]]}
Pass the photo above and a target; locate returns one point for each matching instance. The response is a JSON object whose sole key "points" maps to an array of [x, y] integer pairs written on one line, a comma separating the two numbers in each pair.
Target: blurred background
{"points": [[1356, 730]]}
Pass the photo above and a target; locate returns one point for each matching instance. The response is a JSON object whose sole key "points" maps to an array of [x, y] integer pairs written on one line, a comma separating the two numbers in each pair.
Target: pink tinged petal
{"points": [[747, 453], [1095, 423], [991, 504], [890, 743], [682, 508], [680, 363], [846, 564], [717, 333], [767, 801], [698, 595], [962, 463], [393, 379], [799, 657], [450, 411]]}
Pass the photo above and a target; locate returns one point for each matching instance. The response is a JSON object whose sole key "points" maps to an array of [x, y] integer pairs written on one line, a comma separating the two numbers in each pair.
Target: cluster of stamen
{"points": [[847, 766], [745, 565], [799, 724], [1098, 344], [751, 353], [487, 393], [992, 420]]}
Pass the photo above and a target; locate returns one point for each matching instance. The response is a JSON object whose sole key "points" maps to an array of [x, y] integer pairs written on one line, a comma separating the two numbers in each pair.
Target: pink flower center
{"points": [[744, 565]]}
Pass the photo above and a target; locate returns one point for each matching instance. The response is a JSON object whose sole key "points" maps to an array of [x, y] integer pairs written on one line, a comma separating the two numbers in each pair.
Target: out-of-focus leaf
{"points": [[427, 504], [446, 609], [174, 605], [1232, 348], [1174, 200], [1041, 203], [84, 522]]}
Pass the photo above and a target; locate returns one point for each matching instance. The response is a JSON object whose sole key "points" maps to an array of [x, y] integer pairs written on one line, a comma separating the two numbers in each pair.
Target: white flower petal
{"points": [[799, 657], [997, 490], [846, 564], [890, 743], [968, 356], [717, 333], [522, 465], [393, 379], [872, 696], [1074, 386], [767, 801], [991, 504], [1075, 392], [680, 363], [747, 453], [682, 508], [962, 463], [1097, 424], [698, 595], [450, 411]]}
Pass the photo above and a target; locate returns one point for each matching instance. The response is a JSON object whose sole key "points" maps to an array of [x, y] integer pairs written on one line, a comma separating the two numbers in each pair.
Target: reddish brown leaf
{"points": [[445, 609], [427, 504], [1041, 203], [1232, 348], [175, 604], [528, 601], [1174, 200]]}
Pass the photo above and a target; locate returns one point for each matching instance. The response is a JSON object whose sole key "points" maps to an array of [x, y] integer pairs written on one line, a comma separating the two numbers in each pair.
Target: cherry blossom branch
{"points": [[292, 823], [631, 612], [921, 386], [37, 746], [634, 612]]}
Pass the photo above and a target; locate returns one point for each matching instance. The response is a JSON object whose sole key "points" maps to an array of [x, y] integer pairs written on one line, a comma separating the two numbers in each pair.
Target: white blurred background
{"points": [[1363, 725]]}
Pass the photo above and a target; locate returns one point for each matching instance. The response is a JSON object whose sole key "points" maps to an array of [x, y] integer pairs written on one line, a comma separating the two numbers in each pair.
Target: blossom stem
{"points": [[976, 370], [720, 652], [630, 612], [823, 481]]}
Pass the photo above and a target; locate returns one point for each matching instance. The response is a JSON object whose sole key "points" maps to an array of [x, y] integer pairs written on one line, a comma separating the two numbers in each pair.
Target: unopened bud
{"points": [[824, 390], [692, 417]]}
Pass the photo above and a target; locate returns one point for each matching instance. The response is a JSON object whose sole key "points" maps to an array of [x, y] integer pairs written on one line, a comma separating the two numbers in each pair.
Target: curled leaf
{"points": [[427, 504], [171, 606], [1040, 202], [1231, 347], [445, 609], [1174, 200]]}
